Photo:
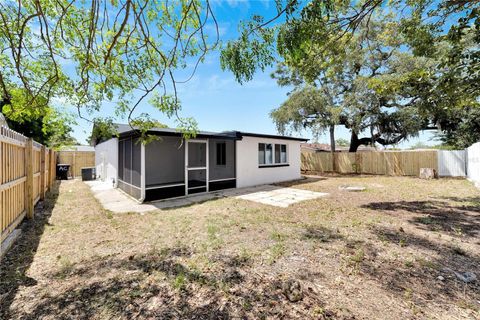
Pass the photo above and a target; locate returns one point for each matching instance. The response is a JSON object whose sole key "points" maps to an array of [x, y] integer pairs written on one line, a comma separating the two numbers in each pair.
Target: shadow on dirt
{"points": [[420, 276], [307, 180], [320, 233], [161, 285], [461, 219], [19, 258]]}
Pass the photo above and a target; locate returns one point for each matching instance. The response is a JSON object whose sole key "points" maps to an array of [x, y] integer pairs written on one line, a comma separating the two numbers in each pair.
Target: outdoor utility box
{"points": [[88, 174], [62, 171]]}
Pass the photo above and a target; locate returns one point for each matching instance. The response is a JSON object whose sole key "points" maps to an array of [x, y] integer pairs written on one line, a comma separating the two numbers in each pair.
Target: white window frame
{"points": [[265, 164]]}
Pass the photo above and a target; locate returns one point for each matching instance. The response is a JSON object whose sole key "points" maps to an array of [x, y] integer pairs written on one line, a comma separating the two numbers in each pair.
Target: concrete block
{"points": [[9, 241]]}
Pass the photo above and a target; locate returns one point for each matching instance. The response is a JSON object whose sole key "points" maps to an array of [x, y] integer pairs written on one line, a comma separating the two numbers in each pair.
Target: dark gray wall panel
{"points": [[165, 161], [136, 162], [164, 193], [127, 165]]}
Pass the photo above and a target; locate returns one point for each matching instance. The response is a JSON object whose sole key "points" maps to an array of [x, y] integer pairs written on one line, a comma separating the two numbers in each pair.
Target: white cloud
{"points": [[223, 28], [216, 83], [231, 3], [266, 3]]}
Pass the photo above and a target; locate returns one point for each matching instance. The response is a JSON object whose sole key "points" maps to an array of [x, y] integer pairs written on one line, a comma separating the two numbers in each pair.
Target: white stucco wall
{"points": [[106, 160], [247, 168]]}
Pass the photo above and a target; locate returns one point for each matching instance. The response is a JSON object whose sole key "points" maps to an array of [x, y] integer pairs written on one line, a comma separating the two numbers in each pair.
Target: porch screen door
{"points": [[196, 166]]}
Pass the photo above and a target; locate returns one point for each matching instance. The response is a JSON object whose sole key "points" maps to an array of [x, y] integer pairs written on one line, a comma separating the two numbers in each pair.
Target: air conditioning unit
{"points": [[88, 174]]}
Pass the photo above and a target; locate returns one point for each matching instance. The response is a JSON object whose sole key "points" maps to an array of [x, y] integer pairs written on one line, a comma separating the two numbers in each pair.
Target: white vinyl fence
{"points": [[473, 163], [452, 163]]}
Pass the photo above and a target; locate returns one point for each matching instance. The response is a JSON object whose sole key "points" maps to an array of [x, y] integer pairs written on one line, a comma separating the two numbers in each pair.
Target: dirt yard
{"points": [[389, 252]]}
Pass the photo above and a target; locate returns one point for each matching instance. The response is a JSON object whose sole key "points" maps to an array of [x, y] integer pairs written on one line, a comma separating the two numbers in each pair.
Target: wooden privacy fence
{"points": [[27, 172], [394, 163], [77, 160]]}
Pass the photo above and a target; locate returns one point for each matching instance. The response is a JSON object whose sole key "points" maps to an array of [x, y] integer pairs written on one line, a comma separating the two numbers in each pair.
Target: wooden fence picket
{"points": [[27, 172], [393, 163]]}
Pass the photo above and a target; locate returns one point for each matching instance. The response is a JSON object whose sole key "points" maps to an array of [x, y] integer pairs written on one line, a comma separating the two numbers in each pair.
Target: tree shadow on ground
{"points": [[465, 203], [162, 285], [307, 180], [421, 275], [18, 259], [455, 219], [320, 233]]}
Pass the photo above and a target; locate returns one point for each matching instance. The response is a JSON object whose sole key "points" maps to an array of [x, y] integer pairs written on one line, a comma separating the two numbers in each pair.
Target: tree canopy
{"points": [[130, 51], [44, 124], [366, 83], [102, 50]]}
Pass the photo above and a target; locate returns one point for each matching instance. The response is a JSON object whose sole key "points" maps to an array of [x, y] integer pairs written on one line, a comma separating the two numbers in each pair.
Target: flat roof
{"points": [[269, 136], [125, 130]]}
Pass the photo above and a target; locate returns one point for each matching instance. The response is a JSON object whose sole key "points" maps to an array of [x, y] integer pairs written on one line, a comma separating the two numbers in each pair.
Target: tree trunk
{"points": [[332, 138], [354, 142], [332, 147]]}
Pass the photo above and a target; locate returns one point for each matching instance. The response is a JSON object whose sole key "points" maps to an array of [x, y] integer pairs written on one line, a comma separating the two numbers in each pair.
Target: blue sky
{"points": [[217, 101]]}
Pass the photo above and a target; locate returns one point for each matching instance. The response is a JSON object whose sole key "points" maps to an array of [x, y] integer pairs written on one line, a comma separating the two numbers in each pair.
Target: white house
{"points": [[172, 167]]}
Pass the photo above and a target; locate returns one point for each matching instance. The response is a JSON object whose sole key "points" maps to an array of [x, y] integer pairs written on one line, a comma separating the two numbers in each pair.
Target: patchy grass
{"points": [[390, 250]]}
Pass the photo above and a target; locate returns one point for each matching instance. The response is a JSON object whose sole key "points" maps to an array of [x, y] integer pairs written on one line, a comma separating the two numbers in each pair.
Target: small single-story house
{"points": [[172, 167]]}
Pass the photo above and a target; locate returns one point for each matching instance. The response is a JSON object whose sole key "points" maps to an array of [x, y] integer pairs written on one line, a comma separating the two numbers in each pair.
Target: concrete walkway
{"points": [[119, 202]]}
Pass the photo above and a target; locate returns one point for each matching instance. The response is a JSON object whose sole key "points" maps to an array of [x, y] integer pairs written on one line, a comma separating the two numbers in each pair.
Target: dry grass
{"points": [[367, 255]]}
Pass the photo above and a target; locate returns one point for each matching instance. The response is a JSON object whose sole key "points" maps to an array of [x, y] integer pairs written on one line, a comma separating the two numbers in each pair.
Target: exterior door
{"points": [[196, 166]]}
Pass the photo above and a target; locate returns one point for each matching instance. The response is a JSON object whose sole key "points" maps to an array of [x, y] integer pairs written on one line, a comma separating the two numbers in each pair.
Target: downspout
{"points": [[115, 182], [142, 173], [235, 161]]}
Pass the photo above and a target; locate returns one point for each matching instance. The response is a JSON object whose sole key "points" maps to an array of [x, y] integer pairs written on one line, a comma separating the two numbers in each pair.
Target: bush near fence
{"points": [[27, 172], [77, 160], [394, 163]]}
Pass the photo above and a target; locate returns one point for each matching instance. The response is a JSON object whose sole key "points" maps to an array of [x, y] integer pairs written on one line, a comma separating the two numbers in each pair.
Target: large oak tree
{"points": [[311, 34]]}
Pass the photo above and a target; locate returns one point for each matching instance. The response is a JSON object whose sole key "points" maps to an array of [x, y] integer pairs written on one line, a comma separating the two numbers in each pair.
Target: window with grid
{"points": [[269, 154]]}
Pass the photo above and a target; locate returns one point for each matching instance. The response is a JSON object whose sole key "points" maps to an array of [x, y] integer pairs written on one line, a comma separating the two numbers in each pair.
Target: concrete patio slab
{"points": [[116, 201], [279, 196]]}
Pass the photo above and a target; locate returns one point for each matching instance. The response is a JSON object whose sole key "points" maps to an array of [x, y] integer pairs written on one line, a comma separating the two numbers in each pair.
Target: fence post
{"points": [[73, 166], [52, 168], [29, 174], [358, 162], [335, 162], [42, 173]]}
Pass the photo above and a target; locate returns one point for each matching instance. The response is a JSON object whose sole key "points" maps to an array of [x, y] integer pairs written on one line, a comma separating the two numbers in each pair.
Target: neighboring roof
{"points": [[79, 148], [125, 129], [316, 146], [325, 147]]}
